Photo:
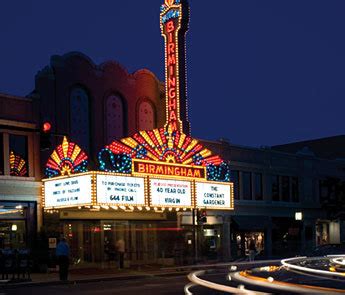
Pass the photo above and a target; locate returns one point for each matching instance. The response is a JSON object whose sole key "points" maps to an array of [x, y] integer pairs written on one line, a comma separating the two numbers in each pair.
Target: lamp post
{"points": [[298, 216], [299, 220]]}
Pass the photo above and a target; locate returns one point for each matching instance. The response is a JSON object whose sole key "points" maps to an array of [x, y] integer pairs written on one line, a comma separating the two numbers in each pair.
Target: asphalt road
{"points": [[162, 285], [154, 285]]}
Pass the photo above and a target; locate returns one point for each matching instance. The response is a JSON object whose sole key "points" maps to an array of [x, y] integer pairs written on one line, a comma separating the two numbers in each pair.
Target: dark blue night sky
{"points": [[259, 72]]}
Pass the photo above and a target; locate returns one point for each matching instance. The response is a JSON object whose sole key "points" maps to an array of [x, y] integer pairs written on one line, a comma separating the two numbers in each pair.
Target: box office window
{"points": [[18, 148], [1, 154]]}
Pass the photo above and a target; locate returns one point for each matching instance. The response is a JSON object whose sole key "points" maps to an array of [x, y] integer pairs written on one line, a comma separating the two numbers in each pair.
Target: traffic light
{"points": [[202, 216], [45, 136]]}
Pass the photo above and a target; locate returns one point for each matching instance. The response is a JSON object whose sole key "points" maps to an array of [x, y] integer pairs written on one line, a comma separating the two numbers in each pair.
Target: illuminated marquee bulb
{"points": [[67, 158], [64, 146]]}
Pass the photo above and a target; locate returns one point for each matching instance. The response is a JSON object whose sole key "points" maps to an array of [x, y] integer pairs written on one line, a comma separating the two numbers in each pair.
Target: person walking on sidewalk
{"points": [[62, 253], [252, 250], [120, 249]]}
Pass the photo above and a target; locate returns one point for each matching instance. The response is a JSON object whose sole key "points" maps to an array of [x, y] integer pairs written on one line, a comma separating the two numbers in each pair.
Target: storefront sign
{"points": [[69, 191], [167, 169], [120, 190], [170, 193], [214, 195], [52, 243]]}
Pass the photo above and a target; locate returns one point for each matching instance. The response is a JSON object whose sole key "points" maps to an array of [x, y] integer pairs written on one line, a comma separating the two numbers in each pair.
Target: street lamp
{"points": [[298, 216]]}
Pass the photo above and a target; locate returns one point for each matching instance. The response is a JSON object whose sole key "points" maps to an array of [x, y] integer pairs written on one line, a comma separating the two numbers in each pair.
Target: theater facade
{"points": [[148, 189], [130, 169]]}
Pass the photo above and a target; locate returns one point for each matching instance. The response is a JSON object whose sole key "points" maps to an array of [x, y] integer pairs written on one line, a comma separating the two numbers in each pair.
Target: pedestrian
{"points": [[62, 254], [120, 249], [252, 250]]}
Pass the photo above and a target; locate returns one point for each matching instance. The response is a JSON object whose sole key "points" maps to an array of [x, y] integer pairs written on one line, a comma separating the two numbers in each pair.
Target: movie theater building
{"points": [[125, 166], [128, 162], [129, 168]]}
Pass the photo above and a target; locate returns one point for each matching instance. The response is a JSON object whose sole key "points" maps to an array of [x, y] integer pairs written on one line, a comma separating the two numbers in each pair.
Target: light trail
{"points": [[193, 277], [339, 260], [186, 288], [285, 263], [244, 277]]}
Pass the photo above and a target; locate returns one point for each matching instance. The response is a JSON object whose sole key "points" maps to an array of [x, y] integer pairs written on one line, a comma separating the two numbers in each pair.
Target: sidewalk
{"points": [[85, 275]]}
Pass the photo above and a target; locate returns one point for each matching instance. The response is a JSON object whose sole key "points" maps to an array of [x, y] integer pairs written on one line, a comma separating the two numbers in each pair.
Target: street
{"points": [[261, 276], [154, 285]]}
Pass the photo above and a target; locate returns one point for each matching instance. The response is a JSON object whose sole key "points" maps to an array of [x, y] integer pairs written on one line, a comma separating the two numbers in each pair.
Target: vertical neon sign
{"points": [[174, 25]]}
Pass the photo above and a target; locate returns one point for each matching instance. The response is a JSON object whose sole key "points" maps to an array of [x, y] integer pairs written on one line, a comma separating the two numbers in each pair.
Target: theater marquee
{"points": [[110, 189], [170, 193], [68, 191]]}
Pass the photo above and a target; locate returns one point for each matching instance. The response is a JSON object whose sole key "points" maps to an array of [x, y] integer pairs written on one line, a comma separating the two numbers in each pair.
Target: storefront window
{"points": [[275, 188], [285, 188], [247, 185], [18, 147], [12, 227], [94, 242], [234, 176], [258, 186], [244, 239]]}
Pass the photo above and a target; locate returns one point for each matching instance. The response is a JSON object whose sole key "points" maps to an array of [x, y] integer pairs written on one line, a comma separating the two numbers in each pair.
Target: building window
{"points": [[294, 189], [258, 186], [114, 111], [285, 188], [1, 154], [234, 177], [146, 116], [324, 191], [275, 188], [80, 118], [18, 147], [247, 185]]}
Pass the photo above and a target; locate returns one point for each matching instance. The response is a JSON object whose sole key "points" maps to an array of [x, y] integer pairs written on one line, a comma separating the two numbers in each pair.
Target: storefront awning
{"points": [[250, 222]]}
